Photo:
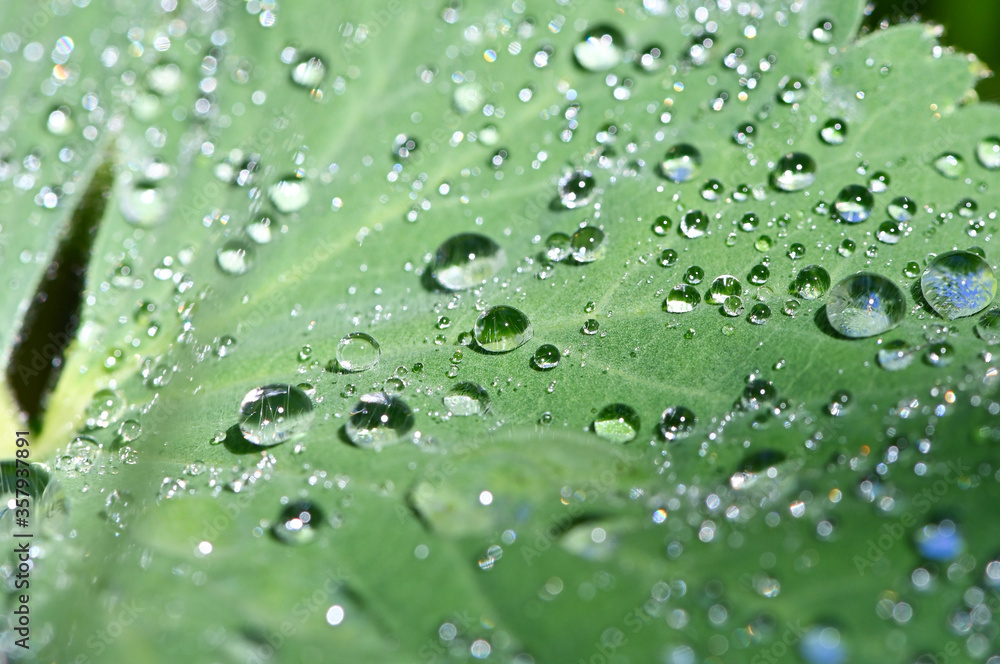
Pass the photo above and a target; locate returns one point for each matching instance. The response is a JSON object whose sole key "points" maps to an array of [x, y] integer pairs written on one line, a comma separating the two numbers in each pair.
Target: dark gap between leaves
{"points": [[54, 314]]}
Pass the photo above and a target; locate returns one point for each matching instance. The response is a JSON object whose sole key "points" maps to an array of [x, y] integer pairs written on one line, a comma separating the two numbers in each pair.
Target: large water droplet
{"points": [[694, 224], [467, 399], [144, 204], [854, 203], [811, 283], [273, 414], [587, 244], [501, 329], [722, 288], [379, 420], [309, 72], [988, 153], [958, 283], [988, 327], [600, 49], [794, 172], [950, 165], [677, 423], [467, 260], [298, 522], [681, 163], [617, 422], [865, 304], [235, 257], [357, 351], [681, 299], [577, 189], [289, 194]]}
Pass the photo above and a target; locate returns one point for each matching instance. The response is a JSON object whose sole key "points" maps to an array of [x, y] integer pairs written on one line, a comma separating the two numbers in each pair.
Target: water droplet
{"points": [[668, 258], [940, 541], [865, 304], [988, 153], [958, 283], [588, 244], [811, 283], [681, 163], [378, 420], [144, 205], [662, 225], [950, 165], [889, 232], [273, 414], [723, 287], [617, 423], [693, 275], [600, 49], [895, 355], [711, 190], [259, 230], [501, 329], [694, 224], [557, 247], [129, 430], [590, 326], [759, 314], [847, 247], [681, 299], [796, 251], [902, 209], [677, 423], [235, 257], [467, 260], [794, 172], [546, 357], [577, 189], [357, 351], [792, 90], [837, 406], [749, 222], [762, 243], [466, 399], [940, 354], [879, 182], [823, 32], [289, 194], [105, 408], [988, 327], [743, 134], [309, 72], [854, 203], [298, 522], [733, 306], [759, 274], [791, 307], [822, 645]]}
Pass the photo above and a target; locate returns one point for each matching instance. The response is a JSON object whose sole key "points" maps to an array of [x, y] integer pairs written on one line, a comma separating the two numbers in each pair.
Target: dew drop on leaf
{"points": [[235, 257], [289, 194], [950, 165], [617, 423], [958, 284], [587, 244], [309, 72], [546, 357], [988, 326], [600, 48], [854, 203], [467, 260], [144, 204], [681, 163], [988, 153], [723, 287], [577, 189], [902, 208], [681, 299], [273, 414], [677, 423], [865, 304], [357, 351], [895, 355], [298, 522], [502, 329], [466, 399], [694, 224], [793, 172], [105, 408], [378, 420]]}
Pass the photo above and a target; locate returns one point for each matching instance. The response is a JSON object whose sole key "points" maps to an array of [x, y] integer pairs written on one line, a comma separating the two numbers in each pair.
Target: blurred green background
{"points": [[970, 26]]}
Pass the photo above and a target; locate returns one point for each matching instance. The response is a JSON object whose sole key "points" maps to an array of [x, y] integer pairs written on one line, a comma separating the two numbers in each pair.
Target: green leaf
{"points": [[796, 502]]}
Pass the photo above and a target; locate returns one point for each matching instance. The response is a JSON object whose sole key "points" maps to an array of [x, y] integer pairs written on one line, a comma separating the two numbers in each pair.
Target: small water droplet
{"points": [[617, 423], [105, 408], [357, 351], [759, 314], [590, 326], [694, 224], [668, 258], [793, 172], [865, 304], [662, 225], [467, 260], [837, 406], [681, 299], [988, 153], [792, 90], [309, 72], [600, 49], [940, 354], [823, 32], [950, 165], [749, 222], [501, 329], [273, 414], [677, 423], [847, 247], [546, 357], [723, 287], [379, 420], [557, 247], [854, 203], [289, 194], [259, 230], [693, 275], [681, 163], [988, 327], [811, 283], [902, 209], [895, 355], [958, 284], [298, 522], [577, 189], [759, 274], [144, 204], [796, 251], [587, 244], [466, 399], [235, 257]]}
